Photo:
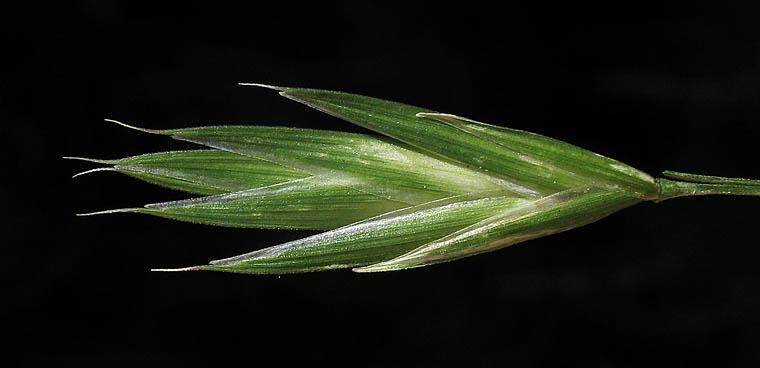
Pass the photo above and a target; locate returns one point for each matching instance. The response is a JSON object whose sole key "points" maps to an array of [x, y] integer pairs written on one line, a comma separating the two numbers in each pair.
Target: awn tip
{"points": [[262, 85], [94, 170], [118, 210], [194, 268], [97, 161], [151, 131]]}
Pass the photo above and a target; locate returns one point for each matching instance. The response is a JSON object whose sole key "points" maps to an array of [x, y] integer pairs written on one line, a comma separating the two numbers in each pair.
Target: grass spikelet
{"points": [[434, 187]]}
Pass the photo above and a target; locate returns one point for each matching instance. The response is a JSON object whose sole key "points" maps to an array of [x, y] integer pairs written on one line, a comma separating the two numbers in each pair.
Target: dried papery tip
{"points": [[369, 269], [194, 268], [262, 85], [106, 212], [433, 115], [151, 131], [94, 170]]}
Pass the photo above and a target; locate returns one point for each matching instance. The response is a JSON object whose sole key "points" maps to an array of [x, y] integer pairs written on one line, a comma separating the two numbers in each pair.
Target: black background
{"points": [[665, 87]]}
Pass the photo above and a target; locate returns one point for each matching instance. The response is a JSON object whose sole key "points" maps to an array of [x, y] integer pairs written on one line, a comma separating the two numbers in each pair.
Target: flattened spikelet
{"points": [[437, 187]]}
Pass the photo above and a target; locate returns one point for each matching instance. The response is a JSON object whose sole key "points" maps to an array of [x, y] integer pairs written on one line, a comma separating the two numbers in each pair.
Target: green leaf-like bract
{"points": [[204, 171], [369, 241]]}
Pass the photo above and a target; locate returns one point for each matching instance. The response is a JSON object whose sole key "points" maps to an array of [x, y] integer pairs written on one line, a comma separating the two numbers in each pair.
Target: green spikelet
{"points": [[434, 188]]}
